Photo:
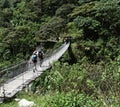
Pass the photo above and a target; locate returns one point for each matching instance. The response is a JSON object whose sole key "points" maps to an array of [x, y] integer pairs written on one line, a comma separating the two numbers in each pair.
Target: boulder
{"points": [[25, 103]]}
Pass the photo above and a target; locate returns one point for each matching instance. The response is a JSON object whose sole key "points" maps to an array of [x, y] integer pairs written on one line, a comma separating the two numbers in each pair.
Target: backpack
{"points": [[34, 57], [40, 54]]}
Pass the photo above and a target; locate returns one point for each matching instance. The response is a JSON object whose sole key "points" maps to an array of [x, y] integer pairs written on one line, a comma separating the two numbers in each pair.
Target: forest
{"points": [[88, 74]]}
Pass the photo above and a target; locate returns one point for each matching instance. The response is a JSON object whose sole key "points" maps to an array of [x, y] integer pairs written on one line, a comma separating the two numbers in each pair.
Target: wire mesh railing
{"points": [[53, 56], [13, 71]]}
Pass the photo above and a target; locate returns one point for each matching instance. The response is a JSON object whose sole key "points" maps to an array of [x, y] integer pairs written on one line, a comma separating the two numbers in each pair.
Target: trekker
{"points": [[34, 60], [40, 55]]}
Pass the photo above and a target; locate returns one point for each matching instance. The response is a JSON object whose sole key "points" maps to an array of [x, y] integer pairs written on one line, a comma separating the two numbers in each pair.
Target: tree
{"points": [[52, 29], [6, 4], [90, 27], [64, 10]]}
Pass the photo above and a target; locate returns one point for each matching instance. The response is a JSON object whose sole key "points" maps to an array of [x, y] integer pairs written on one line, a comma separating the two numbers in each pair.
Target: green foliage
{"points": [[52, 29], [64, 10], [89, 25], [72, 30], [84, 1], [93, 79], [87, 22], [106, 13], [92, 23], [5, 16], [99, 82], [83, 10], [58, 100], [5, 4], [72, 100], [22, 15]]}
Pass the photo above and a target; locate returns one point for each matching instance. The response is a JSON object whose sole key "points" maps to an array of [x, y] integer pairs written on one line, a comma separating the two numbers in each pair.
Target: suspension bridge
{"points": [[16, 78]]}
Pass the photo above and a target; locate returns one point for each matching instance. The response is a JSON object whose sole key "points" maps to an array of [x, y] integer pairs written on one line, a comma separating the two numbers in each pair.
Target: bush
{"points": [[72, 100]]}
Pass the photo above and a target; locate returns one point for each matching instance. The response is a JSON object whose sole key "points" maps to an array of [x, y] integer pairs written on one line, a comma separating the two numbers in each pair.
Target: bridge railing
{"points": [[52, 52], [13, 71]]}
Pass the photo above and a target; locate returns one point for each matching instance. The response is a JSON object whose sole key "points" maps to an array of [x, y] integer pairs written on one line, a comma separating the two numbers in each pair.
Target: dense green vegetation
{"points": [[88, 75]]}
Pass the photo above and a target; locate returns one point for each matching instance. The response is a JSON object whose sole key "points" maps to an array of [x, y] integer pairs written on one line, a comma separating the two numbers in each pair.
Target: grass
{"points": [[39, 100]]}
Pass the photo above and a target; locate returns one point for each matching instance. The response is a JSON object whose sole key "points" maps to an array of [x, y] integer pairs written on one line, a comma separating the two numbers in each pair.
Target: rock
{"points": [[17, 99], [25, 103]]}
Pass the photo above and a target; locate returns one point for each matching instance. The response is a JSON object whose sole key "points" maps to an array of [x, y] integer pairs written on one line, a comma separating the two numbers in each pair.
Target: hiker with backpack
{"points": [[40, 55], [34, 60]]}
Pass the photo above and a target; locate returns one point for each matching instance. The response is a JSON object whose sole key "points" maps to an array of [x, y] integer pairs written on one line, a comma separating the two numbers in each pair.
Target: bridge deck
{"points": [[11, 87]]}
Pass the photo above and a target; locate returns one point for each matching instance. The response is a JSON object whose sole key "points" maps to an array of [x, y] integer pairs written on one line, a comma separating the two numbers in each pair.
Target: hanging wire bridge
{"points": [[15, 78]]}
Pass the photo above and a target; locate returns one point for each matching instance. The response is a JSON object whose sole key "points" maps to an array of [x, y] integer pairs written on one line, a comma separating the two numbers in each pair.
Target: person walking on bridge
{"points": [[41, 56], [34, 60]]}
